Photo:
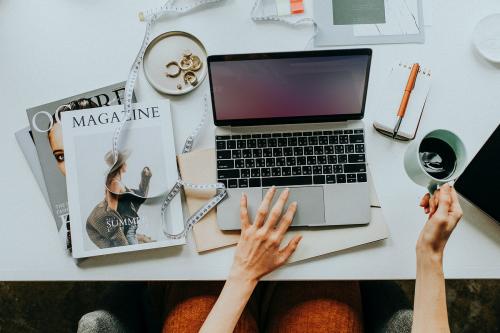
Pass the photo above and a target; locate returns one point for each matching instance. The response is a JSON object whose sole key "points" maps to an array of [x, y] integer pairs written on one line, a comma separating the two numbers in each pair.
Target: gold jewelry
{"points": [[196, 63], [176, 74], [186, 64], [190, 78]]}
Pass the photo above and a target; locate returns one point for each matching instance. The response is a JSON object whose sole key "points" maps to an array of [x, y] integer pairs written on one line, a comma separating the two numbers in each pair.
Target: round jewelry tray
{"points": [[171, 47]]}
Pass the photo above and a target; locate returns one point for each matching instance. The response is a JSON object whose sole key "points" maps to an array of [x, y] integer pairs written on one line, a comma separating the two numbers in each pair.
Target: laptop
{"points": [[292, 120]]}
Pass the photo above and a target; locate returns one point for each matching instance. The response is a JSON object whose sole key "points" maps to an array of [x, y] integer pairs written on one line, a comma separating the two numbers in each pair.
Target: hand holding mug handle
{"points": [[444, 212]]}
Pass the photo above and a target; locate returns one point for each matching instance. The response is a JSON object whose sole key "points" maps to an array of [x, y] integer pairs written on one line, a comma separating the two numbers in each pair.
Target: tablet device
{"points": [[480, 182]]}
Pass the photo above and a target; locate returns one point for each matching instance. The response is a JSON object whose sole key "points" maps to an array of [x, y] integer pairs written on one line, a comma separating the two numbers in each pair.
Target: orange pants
{"points": [[284, 307]]}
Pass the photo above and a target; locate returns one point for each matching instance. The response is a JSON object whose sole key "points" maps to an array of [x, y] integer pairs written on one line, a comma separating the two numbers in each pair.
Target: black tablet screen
{"points": [[480, 182]]}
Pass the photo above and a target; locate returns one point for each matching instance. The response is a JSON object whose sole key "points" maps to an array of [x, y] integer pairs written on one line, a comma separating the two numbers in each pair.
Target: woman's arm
{"points": [[430, 313], [257, 254], [114, 187], [144, 184]]}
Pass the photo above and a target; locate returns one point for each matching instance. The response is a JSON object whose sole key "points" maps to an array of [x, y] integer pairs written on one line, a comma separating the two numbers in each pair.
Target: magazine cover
{"points": [[46, 133], [117, 207], [25, 142]]}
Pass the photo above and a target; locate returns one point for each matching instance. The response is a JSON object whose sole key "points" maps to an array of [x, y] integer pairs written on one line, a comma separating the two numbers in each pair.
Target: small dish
{"points": [[171, 47], [486, 38]]}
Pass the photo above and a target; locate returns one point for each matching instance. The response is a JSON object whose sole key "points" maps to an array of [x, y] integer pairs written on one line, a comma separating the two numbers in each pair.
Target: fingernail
{"points": [[287, 190], [294, 203]]}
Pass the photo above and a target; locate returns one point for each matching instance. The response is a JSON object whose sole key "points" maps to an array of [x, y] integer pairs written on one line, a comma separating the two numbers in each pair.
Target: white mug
{"points": [[417, 172]]}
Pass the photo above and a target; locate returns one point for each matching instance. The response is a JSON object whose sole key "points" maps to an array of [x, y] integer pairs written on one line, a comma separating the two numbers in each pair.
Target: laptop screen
{"points": [[289, 87]]}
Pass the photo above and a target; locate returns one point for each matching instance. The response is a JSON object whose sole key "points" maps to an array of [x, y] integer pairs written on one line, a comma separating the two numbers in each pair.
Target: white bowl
{"points": [[486, 38]]}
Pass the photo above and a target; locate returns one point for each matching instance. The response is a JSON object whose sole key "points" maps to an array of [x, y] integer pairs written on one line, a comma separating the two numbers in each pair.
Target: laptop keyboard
{"points": [[291, 158]]}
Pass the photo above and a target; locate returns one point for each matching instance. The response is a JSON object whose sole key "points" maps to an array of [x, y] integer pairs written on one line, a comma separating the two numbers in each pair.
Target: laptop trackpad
{"points": [[311, 204]]}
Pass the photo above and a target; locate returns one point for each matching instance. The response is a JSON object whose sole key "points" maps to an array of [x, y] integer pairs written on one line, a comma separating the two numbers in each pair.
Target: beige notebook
{"points": [[199, 167]]}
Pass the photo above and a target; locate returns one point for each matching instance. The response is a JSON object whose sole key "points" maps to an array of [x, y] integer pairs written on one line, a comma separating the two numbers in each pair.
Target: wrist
{"points": [[428, 256], [242, 277], [242, 284], [430, 249]]}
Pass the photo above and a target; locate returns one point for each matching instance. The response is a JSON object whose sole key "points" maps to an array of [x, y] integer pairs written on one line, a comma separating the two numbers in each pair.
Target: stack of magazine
{"points": [[102, 203]]}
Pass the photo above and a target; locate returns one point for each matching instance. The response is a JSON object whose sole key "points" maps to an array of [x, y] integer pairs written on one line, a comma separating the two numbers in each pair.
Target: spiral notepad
{"points": [[390, 99]]}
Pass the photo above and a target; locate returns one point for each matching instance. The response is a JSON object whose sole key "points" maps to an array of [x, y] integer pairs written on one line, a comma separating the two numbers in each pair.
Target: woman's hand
{"points": [[444, 213], [430, 313], [146, 172], [258, 252]]}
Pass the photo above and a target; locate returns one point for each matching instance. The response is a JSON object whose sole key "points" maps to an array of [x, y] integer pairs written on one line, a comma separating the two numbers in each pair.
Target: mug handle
{"points": [[432, 188], [435, 186]]}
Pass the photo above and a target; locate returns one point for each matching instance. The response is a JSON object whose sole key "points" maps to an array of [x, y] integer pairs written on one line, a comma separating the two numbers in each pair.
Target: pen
{"points": [[406, 97]]}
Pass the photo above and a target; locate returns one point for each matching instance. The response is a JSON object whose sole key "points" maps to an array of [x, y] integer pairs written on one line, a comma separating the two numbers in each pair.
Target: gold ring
{"points": [[190, 77], [196, 63], [173, 63], [185, 64]]}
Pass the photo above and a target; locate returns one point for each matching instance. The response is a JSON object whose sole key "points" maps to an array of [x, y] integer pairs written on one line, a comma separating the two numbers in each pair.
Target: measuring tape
{"points": [[200, 213], [218, 187], [276, 18], [151, 16]]}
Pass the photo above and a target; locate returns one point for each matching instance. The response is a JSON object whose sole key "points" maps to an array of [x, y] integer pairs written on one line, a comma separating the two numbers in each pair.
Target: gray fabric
{"points": [[100, 322], [400, 322], [385, 305]]}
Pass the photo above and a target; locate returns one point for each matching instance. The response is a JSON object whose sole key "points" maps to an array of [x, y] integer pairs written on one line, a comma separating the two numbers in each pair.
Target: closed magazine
{"points": [[25, 142], [116, 207], [45, 130]]}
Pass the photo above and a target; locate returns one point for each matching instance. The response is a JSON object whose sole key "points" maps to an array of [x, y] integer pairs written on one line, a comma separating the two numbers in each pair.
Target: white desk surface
{"points": [[53, 49]]}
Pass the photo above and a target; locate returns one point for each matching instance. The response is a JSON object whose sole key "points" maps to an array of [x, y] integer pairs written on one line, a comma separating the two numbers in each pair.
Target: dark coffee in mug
{"points": [[437, 158]]}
